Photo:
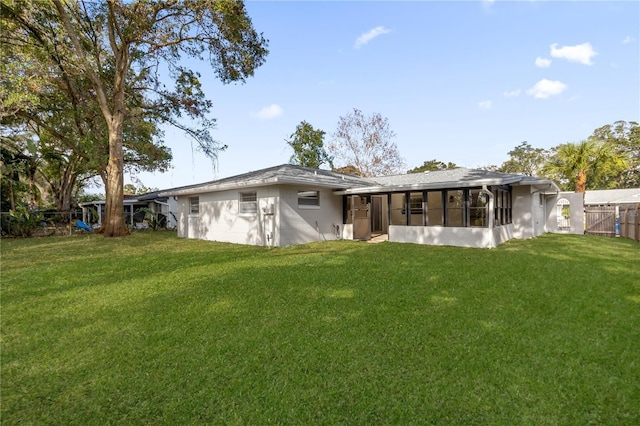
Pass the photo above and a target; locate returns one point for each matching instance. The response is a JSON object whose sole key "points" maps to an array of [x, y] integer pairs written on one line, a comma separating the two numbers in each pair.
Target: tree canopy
{"points": [[432, 166], [625, 140], [366, 143], [525, 160], [583, 164], [307, 144], [120, 66]]}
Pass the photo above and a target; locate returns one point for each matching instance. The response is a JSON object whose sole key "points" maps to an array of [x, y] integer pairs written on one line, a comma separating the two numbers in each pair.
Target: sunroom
{"points": [[472, 209]]}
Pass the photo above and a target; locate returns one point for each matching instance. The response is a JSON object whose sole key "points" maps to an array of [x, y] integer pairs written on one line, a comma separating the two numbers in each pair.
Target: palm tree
{"points": [[583, 163]]}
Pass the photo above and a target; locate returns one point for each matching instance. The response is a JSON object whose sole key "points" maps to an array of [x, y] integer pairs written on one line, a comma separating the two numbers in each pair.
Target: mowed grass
{"points": [[152, 329]]}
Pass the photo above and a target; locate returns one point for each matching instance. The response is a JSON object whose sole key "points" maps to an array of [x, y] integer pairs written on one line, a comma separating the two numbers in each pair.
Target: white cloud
{"points": [[546, 88], [370, 35], [488, 3], [270, 112], [511, 93], [628, 39], [484, 104], [579, 53], [543, 62]]}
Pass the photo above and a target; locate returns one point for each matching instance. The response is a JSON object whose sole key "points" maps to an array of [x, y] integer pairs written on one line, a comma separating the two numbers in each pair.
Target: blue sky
{"points": [[458, 81]]}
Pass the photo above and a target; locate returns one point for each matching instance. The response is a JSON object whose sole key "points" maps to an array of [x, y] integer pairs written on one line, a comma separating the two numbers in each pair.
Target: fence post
{"points": [[636, 225], [626, 223]]}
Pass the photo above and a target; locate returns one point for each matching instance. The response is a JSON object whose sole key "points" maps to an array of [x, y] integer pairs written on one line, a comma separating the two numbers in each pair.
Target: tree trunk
{"points": [[581, 182], [33, 199], [66, 192], [114, 224], [12, 199], [63, 188]]}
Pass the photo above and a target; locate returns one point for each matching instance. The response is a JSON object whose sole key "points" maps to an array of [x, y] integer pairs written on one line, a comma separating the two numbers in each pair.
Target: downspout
{"points": [[485, 190]]}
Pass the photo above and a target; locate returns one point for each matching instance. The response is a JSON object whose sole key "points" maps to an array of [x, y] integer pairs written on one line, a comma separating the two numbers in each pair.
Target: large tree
{"points": [[580, 165], [366, 143], [129, 49], [525, 160], [432, 166], [49, 105], [15, 167], [307, 144], [625, 140]]}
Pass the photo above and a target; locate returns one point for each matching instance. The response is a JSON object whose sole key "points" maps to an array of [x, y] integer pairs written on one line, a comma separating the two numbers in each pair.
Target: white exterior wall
{"points": [[171, 211], [576, 213], [347, 231], [278, 222], [443, 236], [532, 212], [219, 218], [182, 211], [304, 224], [502, 234], [538, 214], [522, 214]]}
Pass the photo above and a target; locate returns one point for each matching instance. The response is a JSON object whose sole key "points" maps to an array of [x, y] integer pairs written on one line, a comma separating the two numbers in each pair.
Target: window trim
{"points": [[309, 197], [473, 218], [192, 205], [503, 206], [243, 204], [461, 210]]}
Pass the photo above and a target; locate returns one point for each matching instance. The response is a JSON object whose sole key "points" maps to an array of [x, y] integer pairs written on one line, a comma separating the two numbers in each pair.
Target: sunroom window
{"points": [[434, 208], [415, 208], [398, 216], [455, 208], [478, 208], [503, 207]]}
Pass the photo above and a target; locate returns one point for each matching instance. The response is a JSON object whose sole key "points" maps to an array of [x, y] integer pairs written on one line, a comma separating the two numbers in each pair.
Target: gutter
{"points": [[248, 184], [425, 186]]}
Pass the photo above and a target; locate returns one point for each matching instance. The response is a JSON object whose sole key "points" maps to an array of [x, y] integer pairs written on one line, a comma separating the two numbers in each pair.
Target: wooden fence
{"points": [[630, 222], [600, 221]]}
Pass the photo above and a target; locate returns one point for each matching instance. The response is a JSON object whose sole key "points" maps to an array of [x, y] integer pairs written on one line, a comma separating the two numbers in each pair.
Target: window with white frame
{"points": [[194, 205], [308, 199], [248, 203]]}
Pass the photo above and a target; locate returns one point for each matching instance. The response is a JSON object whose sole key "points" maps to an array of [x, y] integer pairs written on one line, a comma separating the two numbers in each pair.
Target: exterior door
{"points": [[376, 214], [361, 218]]}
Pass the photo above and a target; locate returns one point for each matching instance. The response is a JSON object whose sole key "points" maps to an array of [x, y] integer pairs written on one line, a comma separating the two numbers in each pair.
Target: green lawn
{"points": [[151, 329]]}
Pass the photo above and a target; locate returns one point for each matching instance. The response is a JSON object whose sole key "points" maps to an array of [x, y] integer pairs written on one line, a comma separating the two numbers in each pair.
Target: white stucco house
{"points": [[288, 204]]}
